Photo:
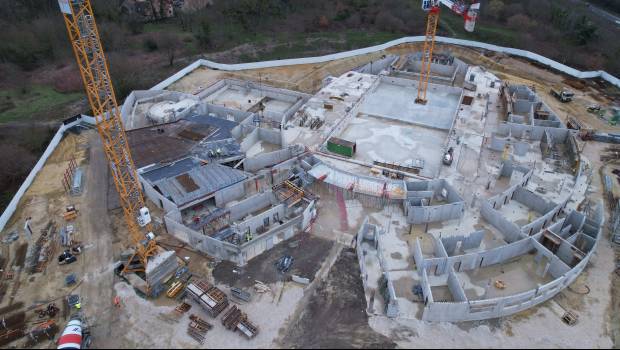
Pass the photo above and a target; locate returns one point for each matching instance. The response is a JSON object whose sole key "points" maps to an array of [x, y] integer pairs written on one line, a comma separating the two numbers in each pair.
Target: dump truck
{"points": [[563, 95]]}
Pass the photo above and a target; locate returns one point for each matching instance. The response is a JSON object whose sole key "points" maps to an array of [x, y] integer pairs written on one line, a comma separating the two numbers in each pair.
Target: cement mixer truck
{"points": [[76, 334]]}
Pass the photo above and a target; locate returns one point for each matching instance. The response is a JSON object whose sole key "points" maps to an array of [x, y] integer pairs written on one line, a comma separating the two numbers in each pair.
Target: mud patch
{"points": [[335, 317]]}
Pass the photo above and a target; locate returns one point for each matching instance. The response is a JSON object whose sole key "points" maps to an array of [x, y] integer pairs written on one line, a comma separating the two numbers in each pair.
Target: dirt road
{"points": [[96, 262]]}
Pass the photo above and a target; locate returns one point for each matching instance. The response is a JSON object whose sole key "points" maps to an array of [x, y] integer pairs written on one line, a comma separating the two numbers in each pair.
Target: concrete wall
{"points": [[241, 254], [265, 160], [159, 200], [251, 204], [463, 309], [418, 213], [469, 241], [376, 67]]}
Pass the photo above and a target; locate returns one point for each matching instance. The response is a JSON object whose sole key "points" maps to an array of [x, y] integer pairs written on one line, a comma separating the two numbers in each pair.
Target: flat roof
{"points": [[169, 142], [189, 179]]}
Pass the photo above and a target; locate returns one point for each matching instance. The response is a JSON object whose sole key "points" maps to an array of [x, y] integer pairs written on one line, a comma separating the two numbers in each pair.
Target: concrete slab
{"points": [[395, 101], [393, 141]]}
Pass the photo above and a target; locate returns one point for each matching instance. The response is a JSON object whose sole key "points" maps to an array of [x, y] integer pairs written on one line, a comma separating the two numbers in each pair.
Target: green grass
{"points": [[483, 32], [18, 105], [304, 44]]}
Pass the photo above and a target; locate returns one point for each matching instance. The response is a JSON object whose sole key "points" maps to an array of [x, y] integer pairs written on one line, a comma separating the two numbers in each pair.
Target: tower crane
{"points": [[468, 11], [93, 66]]}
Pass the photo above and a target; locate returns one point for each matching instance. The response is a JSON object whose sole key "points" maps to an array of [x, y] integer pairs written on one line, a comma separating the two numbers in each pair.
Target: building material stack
{"points": [[198, 328], [212, 299], [235, 319]]}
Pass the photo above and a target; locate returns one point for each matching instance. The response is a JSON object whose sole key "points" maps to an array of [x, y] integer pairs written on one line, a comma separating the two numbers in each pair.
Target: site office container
{"points": [[340, 146]]}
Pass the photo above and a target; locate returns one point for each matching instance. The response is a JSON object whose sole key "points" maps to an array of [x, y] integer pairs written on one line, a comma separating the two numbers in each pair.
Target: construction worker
{"points": [[78, 306], [117, 301], [27, 228]]}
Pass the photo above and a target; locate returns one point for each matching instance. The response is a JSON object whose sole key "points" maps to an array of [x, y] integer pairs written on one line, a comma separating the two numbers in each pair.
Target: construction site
{"points": [[413, 194]]}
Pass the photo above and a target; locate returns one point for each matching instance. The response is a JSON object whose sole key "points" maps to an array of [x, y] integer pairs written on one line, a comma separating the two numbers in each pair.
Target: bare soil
{"points": [[335, 316], [308, 254]]}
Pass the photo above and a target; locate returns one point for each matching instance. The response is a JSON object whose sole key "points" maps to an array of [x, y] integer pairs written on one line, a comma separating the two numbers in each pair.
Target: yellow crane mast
{"points": [[427, 53], [93, 66], [469, 12]]}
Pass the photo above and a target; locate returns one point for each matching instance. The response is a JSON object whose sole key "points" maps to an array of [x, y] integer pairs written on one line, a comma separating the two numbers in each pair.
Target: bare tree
{"points": [[170, 44]]}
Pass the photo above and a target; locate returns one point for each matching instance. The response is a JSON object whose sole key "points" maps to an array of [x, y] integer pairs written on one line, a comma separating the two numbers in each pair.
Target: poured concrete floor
{"points": [[396, 142], [241, 100], [397, 102], [518, 213], [518, 276]]}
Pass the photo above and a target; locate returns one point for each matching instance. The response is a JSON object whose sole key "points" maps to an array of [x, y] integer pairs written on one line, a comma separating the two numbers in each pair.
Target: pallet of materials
{"points": [[236, 320], [212, 299]]}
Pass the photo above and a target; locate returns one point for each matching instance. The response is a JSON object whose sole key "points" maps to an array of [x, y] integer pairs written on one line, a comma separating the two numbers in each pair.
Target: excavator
{"points": [[433, 7], [93, 66]]}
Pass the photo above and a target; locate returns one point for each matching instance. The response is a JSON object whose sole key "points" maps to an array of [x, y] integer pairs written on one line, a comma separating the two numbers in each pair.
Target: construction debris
{"points": [[183, 308], [50, 311], [44, 331], [240, 294], [235, 319], [260, 287], [70, 213], [570, 318], [284, 263]]}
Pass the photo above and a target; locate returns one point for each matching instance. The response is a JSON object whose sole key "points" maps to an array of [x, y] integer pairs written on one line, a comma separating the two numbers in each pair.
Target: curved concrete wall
{"points": [[414, 39], [473, 310]]}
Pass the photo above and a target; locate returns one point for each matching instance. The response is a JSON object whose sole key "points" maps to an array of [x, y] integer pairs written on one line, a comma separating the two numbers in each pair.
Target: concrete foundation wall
{"points": [[266, 160], [422, 214], [509, 230], [543, 221], [251, 204], [454, 285], [159, 200], [230, 193], [376, 67], [419, 214], [470, 241], [472, 261], [470, 310], [532, 201]]}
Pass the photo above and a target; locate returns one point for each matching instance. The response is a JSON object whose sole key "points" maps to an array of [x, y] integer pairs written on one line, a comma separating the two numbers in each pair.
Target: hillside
{"points": [[39, 83]]}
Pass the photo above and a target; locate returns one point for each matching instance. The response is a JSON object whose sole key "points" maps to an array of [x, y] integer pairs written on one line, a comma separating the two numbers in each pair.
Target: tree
{"points": [[585, 31], [169, 43], [519, 22], [323, 22], [204, 34], [388, 22], [495, 8]]}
